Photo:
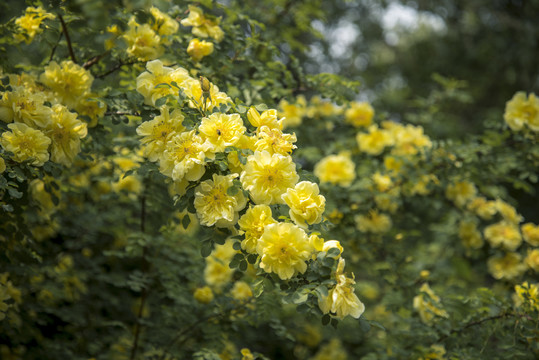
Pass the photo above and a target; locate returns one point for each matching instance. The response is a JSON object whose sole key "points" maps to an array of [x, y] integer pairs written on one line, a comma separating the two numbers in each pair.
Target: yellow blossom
{"points": [[164, 25], [202, 25], [252, 223], [23, 106], [241, 291], [29, 24], [460, 192], [267, 118], [359, 114], [293, 114], [142, 42], [336, 169], [184, 157], [530, 232], [274, 141], [65, 130], [341, 299], [217, 273], [333, 350], [522, 110], [158, 131], [382, 182], [193, 90], [26, 144], [435, 352], [508, 267], [198, 49], [527, 295], [267, 177], [375, 141], [68, 81], [305, 202], [483, 208], [221, 130], [93, 108], [374, 222], [407, 140], [392, 163], [469, 235], [213, 204], [503, 234], [532, 259], [203, 295], [246, 354], [428, 305], [159, 74], [284, 249], [508, 212], [244, 143]]}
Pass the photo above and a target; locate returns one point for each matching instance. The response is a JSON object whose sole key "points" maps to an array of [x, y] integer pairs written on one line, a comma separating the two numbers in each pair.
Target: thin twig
{"points": [[88, 64], [479, 322], [64, 29], [55, 46], [116, 68]]}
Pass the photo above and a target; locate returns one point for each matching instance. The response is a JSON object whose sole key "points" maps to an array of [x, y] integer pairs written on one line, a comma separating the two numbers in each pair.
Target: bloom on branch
{"points": [[252, 223], [221, 130], [203, 26], [267, 177], [26, 144], [336, 169], [198, 49], [359, 114], [305, 202], [284, 249]]}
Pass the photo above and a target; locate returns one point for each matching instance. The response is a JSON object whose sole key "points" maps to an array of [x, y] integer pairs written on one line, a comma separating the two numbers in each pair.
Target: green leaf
{"points": [[186, 221]]}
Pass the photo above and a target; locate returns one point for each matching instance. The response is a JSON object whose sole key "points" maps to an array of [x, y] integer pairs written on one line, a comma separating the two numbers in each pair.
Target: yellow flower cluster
{"points": [[428, 305], [406, 140], [255, 166], [203, 26], [336, 169], [29, 25], [527, 295], [198, 49], [522, 111]]}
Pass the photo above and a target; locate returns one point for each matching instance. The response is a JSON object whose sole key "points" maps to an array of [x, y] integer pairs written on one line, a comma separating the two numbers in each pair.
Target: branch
{"points": [[88, 64], [64, 30], [479, 322], [55, 46], [116, 68]]}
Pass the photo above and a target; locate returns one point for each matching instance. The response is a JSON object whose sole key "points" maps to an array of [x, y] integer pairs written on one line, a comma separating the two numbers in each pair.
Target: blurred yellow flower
{"points": [[142, 41], [203, 295], [28, 25], [375, 141], [68, 81], [159, 74], [198, 49], [26, 144], [65, 130], [373, 222], [504, 234], [336, 169], [508, 267], [359, 114], [203, 26], [428, 305], [532, 259], [530, 233], [522, 110], [460, 192]]}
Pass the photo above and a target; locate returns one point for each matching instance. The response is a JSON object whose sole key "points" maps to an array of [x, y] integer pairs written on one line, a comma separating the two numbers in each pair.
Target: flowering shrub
{"points": [[164, 191]]}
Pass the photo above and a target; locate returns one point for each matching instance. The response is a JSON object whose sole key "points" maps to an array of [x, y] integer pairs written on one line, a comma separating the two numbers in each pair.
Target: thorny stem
{"points": [[56, 45], [64, 30], [88, 64]]}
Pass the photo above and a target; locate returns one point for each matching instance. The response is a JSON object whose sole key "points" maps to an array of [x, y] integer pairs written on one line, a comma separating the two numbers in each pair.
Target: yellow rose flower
{"points": [[530, 232], [142, 42], [203, 295], [373, 222], [252, 223], [428, 305], [336, 169], [199, 49], [527, 295], [532, 260], [375, 141], [241, 291], [359, 114], [267, 118], [341, 299], [193, 90], [305, 202], [522, 110], [508, 212], [267, 177], [202, 25], [23, 106], [292, 114], [221, 130], [503, 234], [460, 192], [184, 157], [164, 25], [159, 74], [158, 131], [65, 130], [407, 140], [508, 267], [469, 235], [28, 25], [483, 208], [274, 141], [26, 144], [284, 250], [68, 81], [213, 204]]}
